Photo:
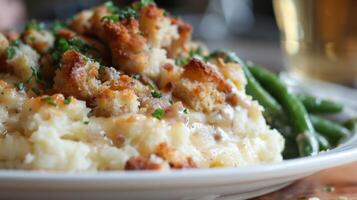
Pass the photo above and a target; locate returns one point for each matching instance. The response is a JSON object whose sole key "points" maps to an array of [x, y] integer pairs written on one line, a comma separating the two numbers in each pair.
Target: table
{"points": [[338, 183]]}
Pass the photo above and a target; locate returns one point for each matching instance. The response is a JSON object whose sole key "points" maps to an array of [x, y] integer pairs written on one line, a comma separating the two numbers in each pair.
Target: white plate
{"points": [[220, 184]]}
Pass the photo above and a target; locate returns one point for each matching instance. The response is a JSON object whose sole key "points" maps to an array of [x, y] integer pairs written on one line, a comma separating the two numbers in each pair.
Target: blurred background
{"points": [[245, 26]]}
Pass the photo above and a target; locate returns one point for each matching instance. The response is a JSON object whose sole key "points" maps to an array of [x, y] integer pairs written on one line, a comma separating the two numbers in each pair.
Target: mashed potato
{"points": [[138, 110]]}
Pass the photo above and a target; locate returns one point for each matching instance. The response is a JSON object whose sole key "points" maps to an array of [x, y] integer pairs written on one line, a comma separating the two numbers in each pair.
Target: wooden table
{"points": [[338, 183]]}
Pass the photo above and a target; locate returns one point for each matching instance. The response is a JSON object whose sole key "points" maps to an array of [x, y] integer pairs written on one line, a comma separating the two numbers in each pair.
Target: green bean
{"points": [[258, 93], [290, 149], [318, 105], [324, 144], [351, 124], [295, 110], [332, 131]]}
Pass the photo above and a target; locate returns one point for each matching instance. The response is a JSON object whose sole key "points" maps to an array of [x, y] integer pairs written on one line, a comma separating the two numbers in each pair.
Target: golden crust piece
{"points": [[128, 47], [199, 71], [118, 97], [149, 22], [182, 44], [201, 87], [81, 22], [168, 75], [96, 22], [176, 161], [200, 96], [233, 72], [156, 27], [142, 163], [77, 78], [129, 50], [41, 41], [111, 103]]}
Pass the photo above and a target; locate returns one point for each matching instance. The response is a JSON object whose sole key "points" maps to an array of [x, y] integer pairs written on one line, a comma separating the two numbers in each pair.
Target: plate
{"points": [[202, 184]]}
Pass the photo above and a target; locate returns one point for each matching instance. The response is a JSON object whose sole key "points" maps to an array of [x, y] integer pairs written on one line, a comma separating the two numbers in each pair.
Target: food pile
{"points": [[125, 88]]}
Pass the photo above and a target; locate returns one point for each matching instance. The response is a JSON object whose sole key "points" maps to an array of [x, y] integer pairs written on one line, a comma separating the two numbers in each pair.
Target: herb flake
{"points": [[11, 50], [142, 3], [67, 100], [158, 113], [156, 94], [36, 91], [185, 111], [21, 86], [34, 25], [136, 76], [49, 100]]}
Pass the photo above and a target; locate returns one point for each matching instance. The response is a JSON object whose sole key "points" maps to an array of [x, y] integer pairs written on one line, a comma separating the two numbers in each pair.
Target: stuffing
{"points": [[77, 77], [201, 87], [91, 47], [108, 74], [23, 61], [199, 96], [111, 103], [156, 27], [125, 88], [41, 41], [11, 101], [181, 45], [130, 52], [168, 75], [80, 23], [232, 72], [197, 70]]}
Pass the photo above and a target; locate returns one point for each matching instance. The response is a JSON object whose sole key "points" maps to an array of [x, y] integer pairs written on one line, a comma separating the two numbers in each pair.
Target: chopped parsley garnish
{"points": [[181, 61], [166, 13], [156, 94], [119, 13], [142, 3], [67, 100], [111, 18], [86, 122], [136, 76], [127, 13], [21, 86], [32, 38], [49, 100], [11, 50], [62, 45], [36, 73], [151, 85], [185, 111], [171, 101], [36, 91], [79, 45], [58, 25], [158, 113], [111, 7], [86, 59], [198, 52], [34, 25]]}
